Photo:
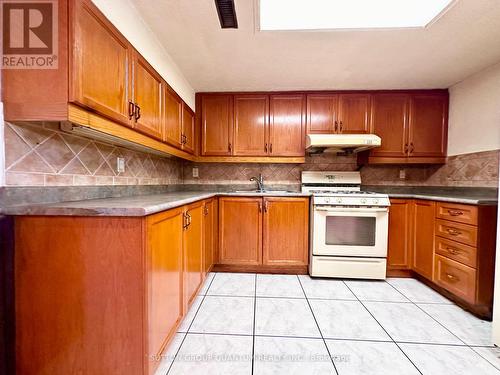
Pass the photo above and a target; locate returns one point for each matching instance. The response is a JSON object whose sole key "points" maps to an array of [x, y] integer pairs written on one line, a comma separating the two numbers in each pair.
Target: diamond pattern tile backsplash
{"points": [[41, 155]]}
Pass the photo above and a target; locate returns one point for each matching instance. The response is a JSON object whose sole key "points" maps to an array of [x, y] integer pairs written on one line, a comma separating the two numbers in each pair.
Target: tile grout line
{"points": [[483, 357], [317, 325], [254, 318], [438, 322], [190, 324], [387, 333]]}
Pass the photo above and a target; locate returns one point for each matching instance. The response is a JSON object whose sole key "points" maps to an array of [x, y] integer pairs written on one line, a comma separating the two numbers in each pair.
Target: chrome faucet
{"points": [[260, 182]]}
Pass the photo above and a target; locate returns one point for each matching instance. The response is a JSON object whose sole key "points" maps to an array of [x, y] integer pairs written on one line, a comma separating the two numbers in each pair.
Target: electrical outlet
{"points": [[195, 173], [402, 174], [120, 165]]}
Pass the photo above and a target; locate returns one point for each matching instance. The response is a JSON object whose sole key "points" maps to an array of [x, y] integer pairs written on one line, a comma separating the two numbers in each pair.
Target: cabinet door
{"points": [[321, 114], [147, 93], [428, 134], [286, 231], [399, 245], [287, 125], [251, 119], [172, 117], [354, 111], [217, 125], [188, 128], [165, 307], [100, 61], [208, 234], [390, 122], [240, 231], [193, 250], [423, 237]]}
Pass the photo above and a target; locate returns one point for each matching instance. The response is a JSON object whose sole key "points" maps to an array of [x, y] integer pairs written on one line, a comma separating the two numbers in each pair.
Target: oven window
{"points": [[350, 230]]}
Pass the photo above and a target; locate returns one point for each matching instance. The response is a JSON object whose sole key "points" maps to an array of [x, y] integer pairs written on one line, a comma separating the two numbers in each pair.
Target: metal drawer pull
{"points": [[453, 232], [452, 277], [455, 212], [453, 251]]}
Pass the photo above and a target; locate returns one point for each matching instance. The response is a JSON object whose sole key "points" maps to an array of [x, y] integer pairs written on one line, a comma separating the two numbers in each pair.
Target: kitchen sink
{"points": [[265, 191]]}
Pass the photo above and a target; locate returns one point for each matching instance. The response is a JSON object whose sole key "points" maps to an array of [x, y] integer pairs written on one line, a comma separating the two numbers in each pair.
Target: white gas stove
{"points": [[348, 227]]}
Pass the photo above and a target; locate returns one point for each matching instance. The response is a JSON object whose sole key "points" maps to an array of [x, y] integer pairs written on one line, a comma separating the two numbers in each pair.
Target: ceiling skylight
{"points": [[348, 14]]}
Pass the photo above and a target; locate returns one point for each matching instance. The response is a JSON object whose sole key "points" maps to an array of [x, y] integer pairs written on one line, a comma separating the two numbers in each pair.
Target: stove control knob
{"points": [[363, 201], [327, 200], [339, 200], [375, 201]]}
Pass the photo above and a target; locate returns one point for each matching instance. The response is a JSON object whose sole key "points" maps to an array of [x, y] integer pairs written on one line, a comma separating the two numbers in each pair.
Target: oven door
{"points": [[354, 232]]}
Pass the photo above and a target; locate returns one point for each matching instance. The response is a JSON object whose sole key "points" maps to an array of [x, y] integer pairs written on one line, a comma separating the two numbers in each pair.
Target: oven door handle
{"points": [[330, 209]]}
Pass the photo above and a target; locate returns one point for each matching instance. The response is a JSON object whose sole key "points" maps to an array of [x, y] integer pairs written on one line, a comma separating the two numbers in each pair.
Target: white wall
{"points": [[126, 18], [474, 122], [2, 146]]}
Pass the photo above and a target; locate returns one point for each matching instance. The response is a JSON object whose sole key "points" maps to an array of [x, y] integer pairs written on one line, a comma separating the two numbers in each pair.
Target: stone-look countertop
{"points": [[142, 205], [465, 195]]}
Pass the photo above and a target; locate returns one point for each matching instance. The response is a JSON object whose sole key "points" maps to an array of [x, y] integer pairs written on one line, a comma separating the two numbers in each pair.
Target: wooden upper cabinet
{"points": [[390, 122], [286, 231], [165, 277], [321, 113], [147, 88], [100, 63], [423, 237], [187, 129], [287, 125], [354, 113], [217, 125], [400, 230], [240, 231], [193, 250], [428, 136], [172, 113], [251, 120]]}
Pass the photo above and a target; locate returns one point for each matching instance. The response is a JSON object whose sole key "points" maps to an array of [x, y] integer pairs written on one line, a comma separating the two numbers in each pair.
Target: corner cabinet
{"points": [[124, 279], [264, 233], [413, 127], [423, 237]]}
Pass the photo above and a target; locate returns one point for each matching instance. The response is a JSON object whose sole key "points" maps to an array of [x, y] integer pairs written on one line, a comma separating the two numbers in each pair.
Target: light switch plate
{"points": [[120, 165], [402, 174], [195, 172]]}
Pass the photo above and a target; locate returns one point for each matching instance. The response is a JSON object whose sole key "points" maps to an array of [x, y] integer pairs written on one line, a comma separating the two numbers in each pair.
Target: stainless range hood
{"points": [[346, 143]]}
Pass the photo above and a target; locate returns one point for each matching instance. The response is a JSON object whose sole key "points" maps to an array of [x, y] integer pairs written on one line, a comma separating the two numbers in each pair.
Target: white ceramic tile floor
{"points": [[277, 324]]}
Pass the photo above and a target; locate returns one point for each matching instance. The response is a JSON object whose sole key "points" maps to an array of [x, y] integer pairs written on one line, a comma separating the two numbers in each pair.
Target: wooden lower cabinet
{"points": [[121, 282], [399, 241], [423, 237], [240, 231], [193, 250], [209, 233], [260, 232], [286, 234], [452, 247]]}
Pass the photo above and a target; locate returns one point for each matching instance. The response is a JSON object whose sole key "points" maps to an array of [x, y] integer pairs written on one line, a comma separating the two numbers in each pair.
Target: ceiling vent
{"points": [[227, 14]]}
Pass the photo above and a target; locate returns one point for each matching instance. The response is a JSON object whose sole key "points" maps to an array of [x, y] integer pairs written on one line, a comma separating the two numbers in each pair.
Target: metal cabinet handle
{"points": [[184, 221], [205, 211], [453, 232], [137, 112], [455, 212], [336, 125], [131, 110], [341, 126], [406, 148], [412, 147], [229, 146], [260, 207], [265, 148], [452, 277], [270, 148], [453, 251], [266, 206]]}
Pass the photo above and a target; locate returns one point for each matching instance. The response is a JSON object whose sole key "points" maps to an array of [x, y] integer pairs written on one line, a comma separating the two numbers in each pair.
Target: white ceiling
{"points": [[463, 41]]}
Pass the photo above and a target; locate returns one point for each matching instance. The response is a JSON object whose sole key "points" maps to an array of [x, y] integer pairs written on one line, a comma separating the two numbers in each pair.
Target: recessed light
{"points": [[348, 14]]}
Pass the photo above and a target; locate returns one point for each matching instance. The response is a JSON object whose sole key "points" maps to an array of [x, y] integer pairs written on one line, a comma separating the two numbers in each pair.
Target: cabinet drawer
{"points": [[463, 233], [456, 251], [461, 213], [455, 277]]}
